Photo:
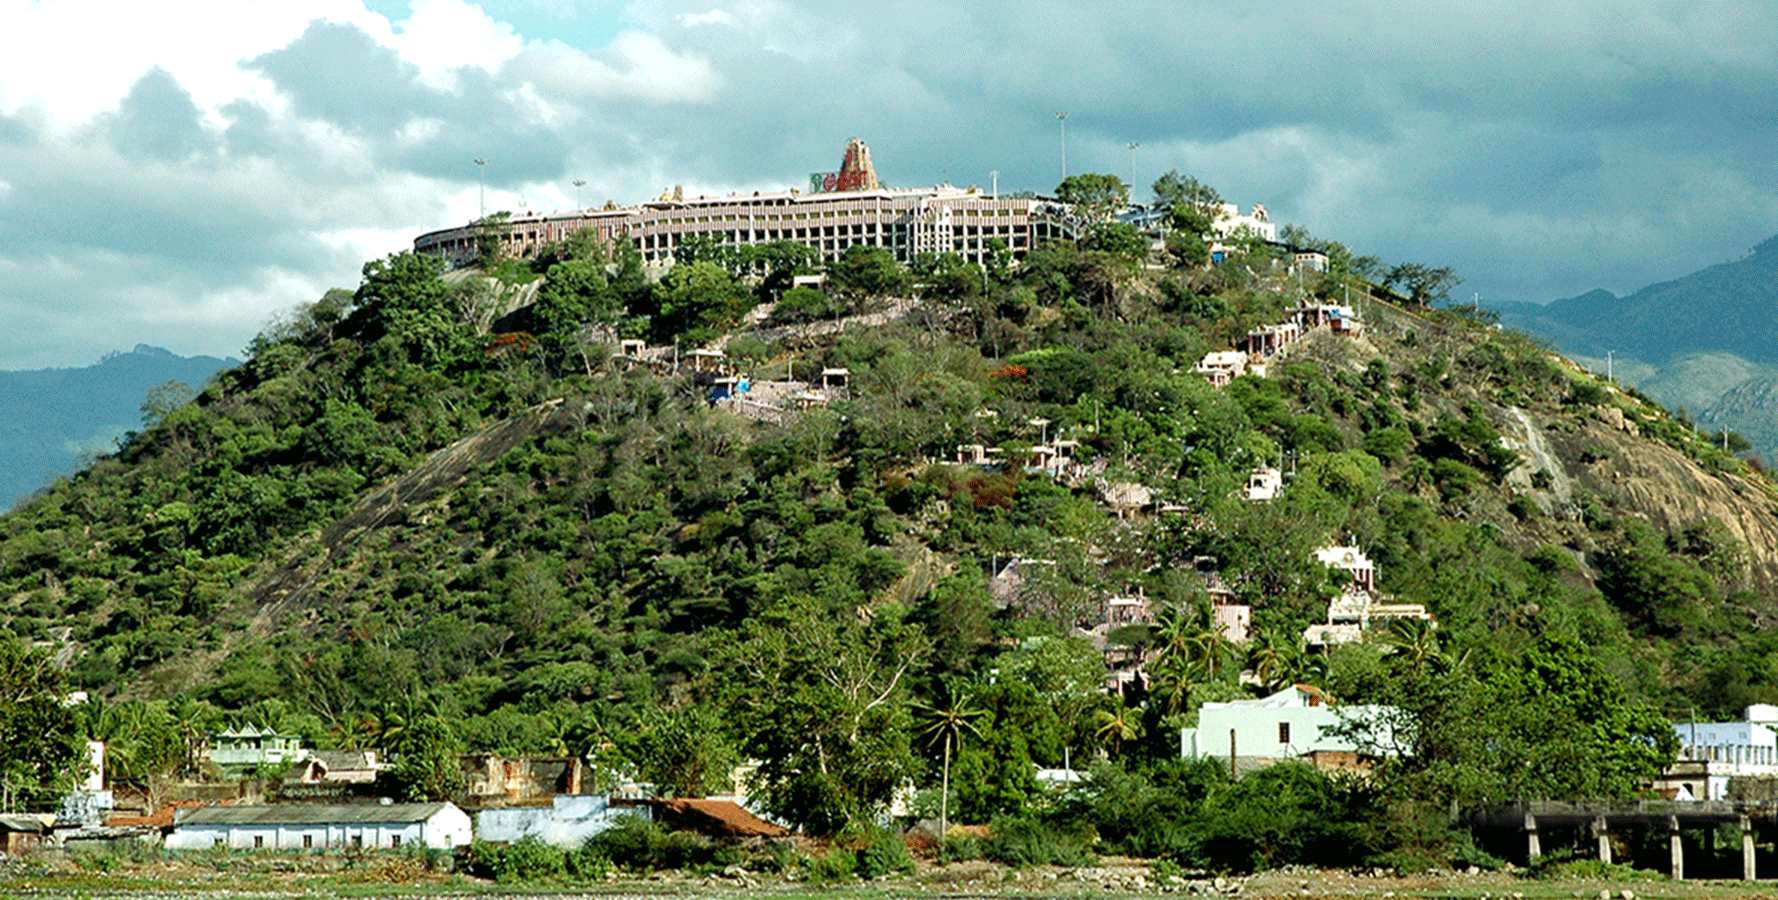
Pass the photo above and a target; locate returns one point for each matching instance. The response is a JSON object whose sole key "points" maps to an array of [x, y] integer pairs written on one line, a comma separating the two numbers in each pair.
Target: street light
{"points": [[1062, 117], [1133, 146], [578, 184], [481, 188]]}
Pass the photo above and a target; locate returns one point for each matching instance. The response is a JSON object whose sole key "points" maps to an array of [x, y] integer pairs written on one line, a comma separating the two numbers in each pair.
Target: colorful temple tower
{"points": [[856, 171]]}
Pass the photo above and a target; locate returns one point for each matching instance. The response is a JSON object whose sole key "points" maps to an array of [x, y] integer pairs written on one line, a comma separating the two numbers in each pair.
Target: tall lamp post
{"points": [[1133, 146], [481, 188], [578, 184], [1062, 118]]}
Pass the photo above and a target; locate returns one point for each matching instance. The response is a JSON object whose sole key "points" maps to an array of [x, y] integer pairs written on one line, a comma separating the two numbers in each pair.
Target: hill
{"points": [[53, 421], [1691, 342], [427, 518]]}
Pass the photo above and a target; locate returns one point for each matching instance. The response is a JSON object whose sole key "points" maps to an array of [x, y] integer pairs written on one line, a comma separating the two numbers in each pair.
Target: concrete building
{"points": [[1290, 724], [1358, 606], [566, 822], [859, 211], [338, 767], [1222, 366], [238, 750], [438, 826], [1265, 483], [1712, 755]]}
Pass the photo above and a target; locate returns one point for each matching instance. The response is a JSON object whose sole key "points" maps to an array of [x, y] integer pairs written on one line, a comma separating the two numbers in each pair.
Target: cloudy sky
{"points": [[175, 172]]}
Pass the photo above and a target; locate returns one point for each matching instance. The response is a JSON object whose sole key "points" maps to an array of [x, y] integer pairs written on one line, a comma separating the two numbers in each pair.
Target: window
{"points": [[357, 840], [1283, 732], [395, 840], [217, 842], [308, 842], [258, 841]]}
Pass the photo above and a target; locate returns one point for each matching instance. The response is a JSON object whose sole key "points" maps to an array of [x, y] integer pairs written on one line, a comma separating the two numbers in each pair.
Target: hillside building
{"points": [[239, 750], [1263, 484], [1358, 607], [1222, 366], [857, 210]]}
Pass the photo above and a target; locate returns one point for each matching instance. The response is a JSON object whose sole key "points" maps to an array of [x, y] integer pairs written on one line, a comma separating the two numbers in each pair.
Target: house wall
{"points": [[449, 827], [1256, 731], [566, 822]]}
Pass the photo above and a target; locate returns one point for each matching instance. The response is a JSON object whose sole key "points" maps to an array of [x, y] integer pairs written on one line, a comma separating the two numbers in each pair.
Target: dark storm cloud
{"points": [[1541, 149]]}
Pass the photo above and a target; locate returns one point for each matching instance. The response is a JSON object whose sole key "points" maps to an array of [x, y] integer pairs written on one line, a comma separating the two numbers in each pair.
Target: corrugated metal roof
{"points": [[313, 814]]}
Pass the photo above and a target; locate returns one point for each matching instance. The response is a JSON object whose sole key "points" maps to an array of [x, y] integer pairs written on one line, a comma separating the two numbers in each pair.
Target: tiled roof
{"points": [[313, 814]]}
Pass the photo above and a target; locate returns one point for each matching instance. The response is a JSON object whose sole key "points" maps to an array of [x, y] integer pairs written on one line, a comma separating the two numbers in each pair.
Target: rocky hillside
{"points": [[429, 499], [1692, 342]]}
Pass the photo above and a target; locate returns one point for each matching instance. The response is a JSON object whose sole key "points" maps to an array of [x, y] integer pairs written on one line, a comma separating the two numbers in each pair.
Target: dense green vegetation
{"points": [[669, 589]]}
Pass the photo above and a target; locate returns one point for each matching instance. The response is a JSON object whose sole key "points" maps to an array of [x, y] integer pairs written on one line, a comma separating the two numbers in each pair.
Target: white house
{"points": [[567, 822], [1291, 724], [1264, 484], [438, 826], [1713, 753]]}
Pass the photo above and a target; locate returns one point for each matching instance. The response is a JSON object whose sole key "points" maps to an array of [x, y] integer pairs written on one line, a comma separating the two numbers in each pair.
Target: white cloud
{"points": [[440, 37], [637, 66], [708, 17]]}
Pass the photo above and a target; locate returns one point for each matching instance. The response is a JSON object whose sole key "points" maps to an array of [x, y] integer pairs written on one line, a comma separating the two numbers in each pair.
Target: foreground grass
{"points": [[374, 876]]}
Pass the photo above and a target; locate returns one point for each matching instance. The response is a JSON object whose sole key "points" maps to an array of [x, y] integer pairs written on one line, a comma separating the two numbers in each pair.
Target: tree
{"points": [[683, 752], [423, 753], [41, 754], [818, 696], [574, 294], [1096, 196], [162, 399], [864, 271], [410, 303], [1118, 725], [946, 724], [1424, 284], [1174, 191], [698, 300]]}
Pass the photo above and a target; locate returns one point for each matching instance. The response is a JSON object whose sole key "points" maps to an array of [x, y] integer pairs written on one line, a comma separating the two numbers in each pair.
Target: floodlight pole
{"points": [[1062, 118], [481, 188], [578, 184]]}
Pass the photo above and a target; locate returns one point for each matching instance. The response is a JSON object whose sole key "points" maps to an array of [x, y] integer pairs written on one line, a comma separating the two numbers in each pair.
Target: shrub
{"points": [[837, 864], [960, 848], [1025, 841], [884, 853], [527, 860], [639, 844]]}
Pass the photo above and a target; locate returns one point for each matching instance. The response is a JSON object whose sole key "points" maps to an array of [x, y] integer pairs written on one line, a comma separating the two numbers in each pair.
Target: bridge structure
{"points": [[1696, 823]]}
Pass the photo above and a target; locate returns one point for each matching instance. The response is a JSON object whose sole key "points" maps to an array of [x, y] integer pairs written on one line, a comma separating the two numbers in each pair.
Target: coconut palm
{"points": [[1271, 659], [1119, 724], [1416, 641], [946, 724]]}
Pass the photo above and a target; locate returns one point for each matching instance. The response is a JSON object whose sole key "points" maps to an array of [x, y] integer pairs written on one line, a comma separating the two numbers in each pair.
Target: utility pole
{"points": [[1608, 377], [481, 187], [1062, 117], [1133, 146], [578, 184]]}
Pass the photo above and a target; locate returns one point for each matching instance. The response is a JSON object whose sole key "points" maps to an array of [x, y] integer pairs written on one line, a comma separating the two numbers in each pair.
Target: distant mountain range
{"points": [[54, 420], [1706, 343]]}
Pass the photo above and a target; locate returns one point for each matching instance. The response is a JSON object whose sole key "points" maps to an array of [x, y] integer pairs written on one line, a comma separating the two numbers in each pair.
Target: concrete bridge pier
{"points": [[1603, 833], [1533, 847], [1748, 872], [1676, 848]]}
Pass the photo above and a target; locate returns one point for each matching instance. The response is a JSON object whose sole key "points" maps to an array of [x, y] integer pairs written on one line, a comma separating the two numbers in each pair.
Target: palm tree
{"points": [[1170, 679], [1416, 641], [1271, 660], [1118, 724], [947, 724], [1208, 649]]}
